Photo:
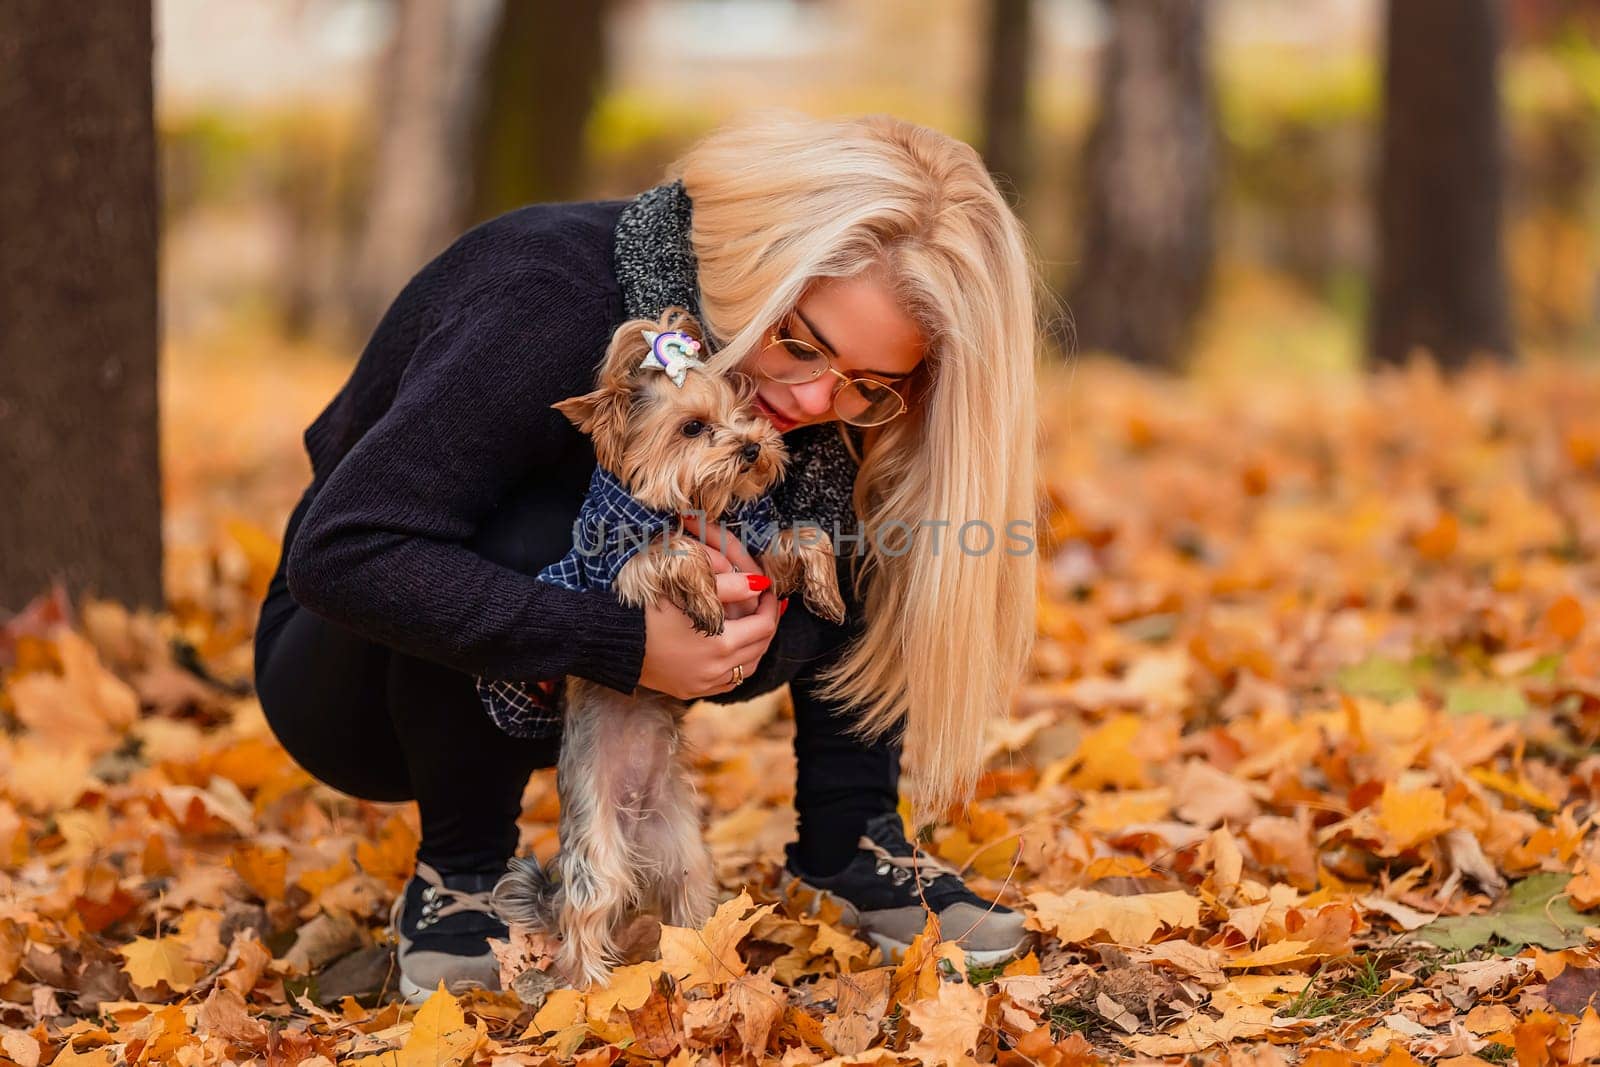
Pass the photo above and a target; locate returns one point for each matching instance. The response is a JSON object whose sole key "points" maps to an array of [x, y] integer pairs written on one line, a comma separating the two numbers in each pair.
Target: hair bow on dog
{"points": [[673, 352]]}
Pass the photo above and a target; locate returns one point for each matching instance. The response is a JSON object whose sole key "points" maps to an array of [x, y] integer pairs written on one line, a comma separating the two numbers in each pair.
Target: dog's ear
{"points": [[603, 415]]}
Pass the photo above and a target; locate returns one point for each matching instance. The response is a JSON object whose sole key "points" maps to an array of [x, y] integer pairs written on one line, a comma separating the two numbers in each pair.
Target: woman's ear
{"points": [[603, 415]]}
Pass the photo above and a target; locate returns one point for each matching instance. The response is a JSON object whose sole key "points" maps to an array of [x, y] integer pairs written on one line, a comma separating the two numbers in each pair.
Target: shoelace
{"points": [[456, 900], [924, 868]]}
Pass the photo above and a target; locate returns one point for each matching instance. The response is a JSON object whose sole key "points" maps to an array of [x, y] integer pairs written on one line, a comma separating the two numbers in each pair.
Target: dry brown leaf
{"points": [[758, 1006], [949, 1023], [1082, 915], [225, 1014]]}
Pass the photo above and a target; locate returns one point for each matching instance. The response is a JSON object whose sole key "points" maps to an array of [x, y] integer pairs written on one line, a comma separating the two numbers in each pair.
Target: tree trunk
{"points": [[545, 71], [1149, 183], [79, 455], [1007, 71], [1441, 283], [418, 184]]}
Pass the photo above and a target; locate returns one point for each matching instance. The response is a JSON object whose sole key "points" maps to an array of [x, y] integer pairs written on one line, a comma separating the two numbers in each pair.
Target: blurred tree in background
{"points": [[78, 433], [1440, 278], [1008, 70], [1149, 185], [545, 70], [425, 91]]}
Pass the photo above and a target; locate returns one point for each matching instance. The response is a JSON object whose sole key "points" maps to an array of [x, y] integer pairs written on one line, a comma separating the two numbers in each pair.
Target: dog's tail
{"points": [[526, 894]]}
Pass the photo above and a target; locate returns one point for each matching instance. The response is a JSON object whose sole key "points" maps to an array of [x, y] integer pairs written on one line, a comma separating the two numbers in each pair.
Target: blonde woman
{"points": [[869, 276]]}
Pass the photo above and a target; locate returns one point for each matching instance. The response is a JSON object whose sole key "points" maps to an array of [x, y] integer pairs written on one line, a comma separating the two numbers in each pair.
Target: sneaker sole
{"points": [[412, 992], [894, 949]]}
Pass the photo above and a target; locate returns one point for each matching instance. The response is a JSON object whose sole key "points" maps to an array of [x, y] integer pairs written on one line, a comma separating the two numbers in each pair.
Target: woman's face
{"points": [[857, 322]]}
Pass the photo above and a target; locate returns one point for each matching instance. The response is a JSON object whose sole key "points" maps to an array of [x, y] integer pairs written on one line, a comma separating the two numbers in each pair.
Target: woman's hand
{"points": [[684, 663]]}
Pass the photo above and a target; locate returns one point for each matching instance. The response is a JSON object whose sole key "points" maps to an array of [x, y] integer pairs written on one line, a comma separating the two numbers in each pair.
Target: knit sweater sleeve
{"points": [[382, 547]]}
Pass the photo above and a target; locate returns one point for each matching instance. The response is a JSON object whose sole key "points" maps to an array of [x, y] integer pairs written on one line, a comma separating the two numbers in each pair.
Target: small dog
{"points": [[674, 437]]}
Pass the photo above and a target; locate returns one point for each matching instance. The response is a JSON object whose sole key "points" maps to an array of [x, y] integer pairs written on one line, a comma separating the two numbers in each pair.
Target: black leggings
{"points": [[381, 725]]}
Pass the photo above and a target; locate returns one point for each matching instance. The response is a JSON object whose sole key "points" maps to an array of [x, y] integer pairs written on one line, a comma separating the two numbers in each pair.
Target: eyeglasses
{"points": [[858, 401]]}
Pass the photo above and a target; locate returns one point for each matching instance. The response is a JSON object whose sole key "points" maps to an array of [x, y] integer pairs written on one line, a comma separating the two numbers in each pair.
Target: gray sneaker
{"points": [[882, 892], [443, 922]]}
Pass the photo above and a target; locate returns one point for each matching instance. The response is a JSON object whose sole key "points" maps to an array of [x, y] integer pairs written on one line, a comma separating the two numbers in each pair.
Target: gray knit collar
{"points": [[656, 268], [654, 255]]}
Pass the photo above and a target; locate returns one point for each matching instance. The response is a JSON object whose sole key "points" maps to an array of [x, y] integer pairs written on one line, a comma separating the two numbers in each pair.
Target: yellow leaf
{"points": [[13, 943], [1081, 915], [1227, 862], [264, 870], [1028, 964], [1242, 1023], [1586, 1038], [917, 976], [150, 962], [439, 1035], [1585, 888], [710, 956], [97, 1057], [1275, 953], [628, 989], [990, 858], [562, 1008], [950, 1024], [845, 948], [1520, 788], [1410, 817], [1106, 756], [84, 707], [316, 882]]}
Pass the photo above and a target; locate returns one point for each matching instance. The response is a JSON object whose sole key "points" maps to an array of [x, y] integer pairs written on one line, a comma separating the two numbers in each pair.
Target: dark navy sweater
{"points": [[445, 429]]}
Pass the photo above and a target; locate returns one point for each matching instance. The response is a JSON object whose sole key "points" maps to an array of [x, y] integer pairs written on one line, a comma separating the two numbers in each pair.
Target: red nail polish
{"points": [[783, 606], [758, 582]]}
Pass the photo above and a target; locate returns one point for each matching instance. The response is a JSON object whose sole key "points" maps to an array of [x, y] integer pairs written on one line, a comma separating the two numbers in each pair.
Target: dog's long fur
{"points": [[630, 820]]}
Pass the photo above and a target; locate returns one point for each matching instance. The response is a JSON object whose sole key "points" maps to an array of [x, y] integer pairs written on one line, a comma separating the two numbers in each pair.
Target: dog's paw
{"points": [[707, 620], [824, 601]]}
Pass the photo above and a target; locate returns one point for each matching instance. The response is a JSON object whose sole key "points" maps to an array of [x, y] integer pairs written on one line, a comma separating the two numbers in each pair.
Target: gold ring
{"points": [[738, 674]]}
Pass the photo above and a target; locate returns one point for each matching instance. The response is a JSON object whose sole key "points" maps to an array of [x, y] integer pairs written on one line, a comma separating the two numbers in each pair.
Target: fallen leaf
{"points": [[710, 956], [949, 1024], [1410, 817], [1534, 914], [1081, 915], [151, 962]]}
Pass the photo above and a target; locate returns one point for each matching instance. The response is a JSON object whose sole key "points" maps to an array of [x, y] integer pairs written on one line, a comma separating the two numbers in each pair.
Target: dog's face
{"points": [[696, 447]]}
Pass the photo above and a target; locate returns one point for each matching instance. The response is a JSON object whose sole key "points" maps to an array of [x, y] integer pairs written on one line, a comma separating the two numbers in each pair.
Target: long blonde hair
{"points": [[782, 199]]}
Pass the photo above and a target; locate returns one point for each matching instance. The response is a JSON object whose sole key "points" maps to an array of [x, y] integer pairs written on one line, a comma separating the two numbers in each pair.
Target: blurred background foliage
{"points": [[271, 141]]}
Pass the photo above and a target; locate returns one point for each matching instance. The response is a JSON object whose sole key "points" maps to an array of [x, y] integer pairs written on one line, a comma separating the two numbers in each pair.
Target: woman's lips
{"points": [[774, 417]]}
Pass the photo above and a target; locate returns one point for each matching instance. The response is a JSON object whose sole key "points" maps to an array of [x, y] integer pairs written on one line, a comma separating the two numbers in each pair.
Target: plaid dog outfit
{"points": [[656, 268], [611, 528]]}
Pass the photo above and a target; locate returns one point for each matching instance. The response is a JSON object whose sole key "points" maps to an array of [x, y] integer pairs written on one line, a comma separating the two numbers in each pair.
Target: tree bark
{"points": [[1150, 181], [1008, 69], [79, 452], [1441, 281], [423, 90], [545, 71]]}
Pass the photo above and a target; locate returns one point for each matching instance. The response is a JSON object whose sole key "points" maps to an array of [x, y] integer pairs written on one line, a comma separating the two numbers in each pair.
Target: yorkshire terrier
{"points": [[670, 437]]}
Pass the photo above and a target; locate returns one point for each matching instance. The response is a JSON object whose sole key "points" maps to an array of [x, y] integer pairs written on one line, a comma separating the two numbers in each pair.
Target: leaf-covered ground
{"points": [[1305, 772]]}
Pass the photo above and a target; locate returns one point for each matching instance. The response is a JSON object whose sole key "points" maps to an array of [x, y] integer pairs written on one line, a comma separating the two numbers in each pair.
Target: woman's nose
{"points": [[815, 398]]}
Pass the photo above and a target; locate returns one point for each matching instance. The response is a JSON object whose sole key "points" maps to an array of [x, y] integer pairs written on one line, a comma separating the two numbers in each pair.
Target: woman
{"points": [[869, 275]]}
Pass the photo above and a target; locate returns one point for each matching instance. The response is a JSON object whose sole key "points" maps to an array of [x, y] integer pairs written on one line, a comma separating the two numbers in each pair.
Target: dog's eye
{"points": [[693, 428]]}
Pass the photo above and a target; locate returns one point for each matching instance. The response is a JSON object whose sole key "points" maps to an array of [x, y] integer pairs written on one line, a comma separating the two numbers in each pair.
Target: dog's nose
{"points": [[750, 452]]}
